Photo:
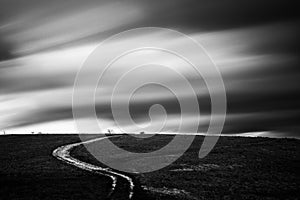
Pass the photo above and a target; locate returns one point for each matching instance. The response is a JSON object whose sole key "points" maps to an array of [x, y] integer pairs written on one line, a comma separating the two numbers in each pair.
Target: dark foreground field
{"points": [[238, 168], [29, 171]]}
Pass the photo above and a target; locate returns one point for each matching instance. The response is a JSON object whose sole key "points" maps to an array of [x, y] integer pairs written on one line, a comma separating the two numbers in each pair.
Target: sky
{"points": [[254, 45]]}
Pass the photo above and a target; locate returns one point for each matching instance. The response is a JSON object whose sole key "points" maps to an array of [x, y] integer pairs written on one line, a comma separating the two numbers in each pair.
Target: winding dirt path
{"points": [[63, 153]]}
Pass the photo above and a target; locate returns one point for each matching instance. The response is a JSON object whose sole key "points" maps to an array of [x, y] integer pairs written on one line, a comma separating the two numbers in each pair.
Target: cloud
{"points": [[44, 44], [45, 26], [5, 50], [204, 15]]}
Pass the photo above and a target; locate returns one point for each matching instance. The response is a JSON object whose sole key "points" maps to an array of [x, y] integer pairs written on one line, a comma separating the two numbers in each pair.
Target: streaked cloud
{"points": [[43, 46]]}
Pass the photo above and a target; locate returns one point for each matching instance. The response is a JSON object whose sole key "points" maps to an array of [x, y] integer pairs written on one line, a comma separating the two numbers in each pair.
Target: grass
{"points": [[237, 168], [29, 171]]}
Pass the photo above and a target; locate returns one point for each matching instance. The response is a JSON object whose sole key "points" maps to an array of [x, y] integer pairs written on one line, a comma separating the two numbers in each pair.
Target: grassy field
{"points": [[237, 168], [29, 171]]}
